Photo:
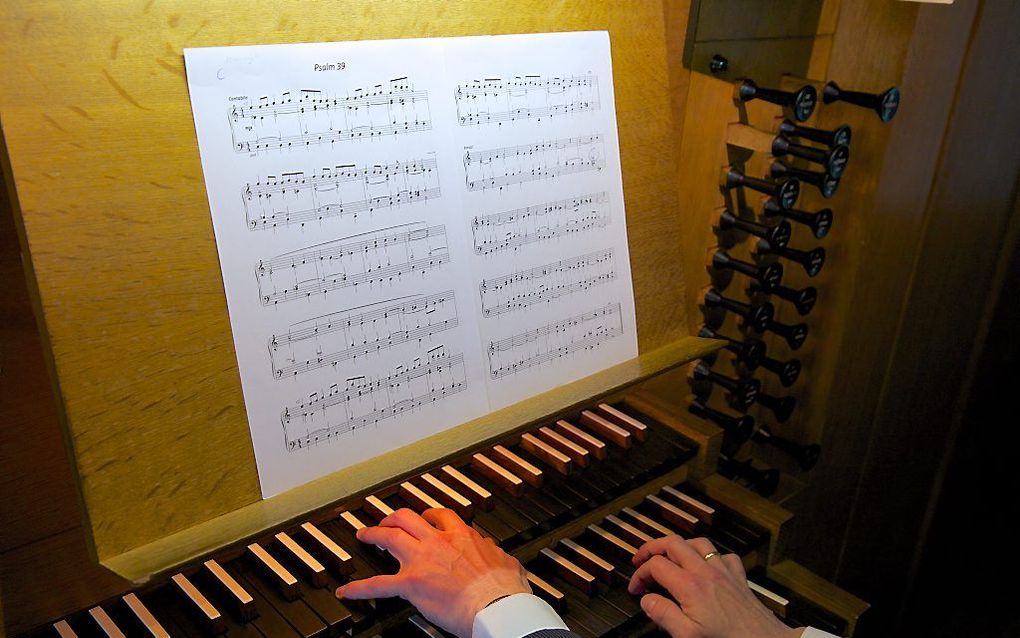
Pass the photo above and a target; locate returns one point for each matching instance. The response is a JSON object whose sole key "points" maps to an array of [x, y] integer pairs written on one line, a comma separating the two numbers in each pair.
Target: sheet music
{"points": [[412, 233]]}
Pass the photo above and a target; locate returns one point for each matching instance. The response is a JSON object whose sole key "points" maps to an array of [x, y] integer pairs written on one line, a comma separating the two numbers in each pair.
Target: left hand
{"points": [[447, 570]]}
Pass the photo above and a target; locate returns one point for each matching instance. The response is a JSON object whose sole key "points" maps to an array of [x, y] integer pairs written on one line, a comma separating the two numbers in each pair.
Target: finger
{"points": [[410, 522], [675, 548], [393, 539], [660, 570], [445, 519], [667, 614], [384, 586], [704, 547], [734, 566]]}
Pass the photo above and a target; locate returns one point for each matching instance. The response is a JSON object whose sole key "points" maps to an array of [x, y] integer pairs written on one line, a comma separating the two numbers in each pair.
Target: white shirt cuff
{"points": [[811, 632], [515, 616]]}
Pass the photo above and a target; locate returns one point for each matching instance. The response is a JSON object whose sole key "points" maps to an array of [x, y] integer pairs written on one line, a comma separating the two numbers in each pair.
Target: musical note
{"points": [[527, 97], [312, 118], [512, 229], [500, 167], [546, 283], [338, 191], [344, 336], [552, 341], [382, 257], [364, 401]]}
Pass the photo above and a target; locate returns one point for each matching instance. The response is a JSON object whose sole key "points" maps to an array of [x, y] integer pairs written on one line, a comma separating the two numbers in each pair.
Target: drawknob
{"points": [[801, 102], [768, 276], [785, 190], [805, 455], [885, 104], [820, 223], [738, 426], [839, 136], [811, 260], [757, 315], [827, 184], [749, 352]]}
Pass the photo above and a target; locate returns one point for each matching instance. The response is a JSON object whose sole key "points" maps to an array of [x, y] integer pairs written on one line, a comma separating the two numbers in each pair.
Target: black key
{"points": [[269, 622], [328, 608], [361, 613], [523, 520], [495, 527], [295, 612], [424, 628], [166, 606], [603, 487], [579, 606], [563, 487]]}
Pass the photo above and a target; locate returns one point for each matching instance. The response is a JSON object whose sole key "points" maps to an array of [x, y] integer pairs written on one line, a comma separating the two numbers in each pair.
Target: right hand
{"points": [[708, 598]]}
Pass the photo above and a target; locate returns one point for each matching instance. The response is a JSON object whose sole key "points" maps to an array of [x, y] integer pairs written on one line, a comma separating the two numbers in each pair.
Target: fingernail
{"points": [[339, 593]]}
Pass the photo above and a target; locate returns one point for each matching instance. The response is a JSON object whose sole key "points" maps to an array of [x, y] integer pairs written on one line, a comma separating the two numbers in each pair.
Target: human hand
{"points": [[710, 598], [447, 570]]}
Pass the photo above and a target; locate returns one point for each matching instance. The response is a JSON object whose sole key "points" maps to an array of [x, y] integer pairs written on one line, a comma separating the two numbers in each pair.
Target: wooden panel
{"points": [[114, 210], [757, 19], [38, 494], [879, 215], [52, 577], [777, 520], [819, 591], [951, 294], [671, 413]]}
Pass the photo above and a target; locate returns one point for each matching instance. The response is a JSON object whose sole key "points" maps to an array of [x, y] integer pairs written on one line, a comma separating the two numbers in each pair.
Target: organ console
{"points": [[571, 487], [575, 528]]}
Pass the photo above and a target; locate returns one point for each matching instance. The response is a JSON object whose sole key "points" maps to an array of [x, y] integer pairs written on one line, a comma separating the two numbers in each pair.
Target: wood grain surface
{"points": [[112, 202]]}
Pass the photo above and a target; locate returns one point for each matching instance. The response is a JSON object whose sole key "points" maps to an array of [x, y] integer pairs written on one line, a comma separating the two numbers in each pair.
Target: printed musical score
{"points": [[500, 167], [313, 117], [525, 97], [378, 295], [365, 400], [381, 257], [512, 229], [553, 341], [338, 191], [342, 337], [546, 283]]}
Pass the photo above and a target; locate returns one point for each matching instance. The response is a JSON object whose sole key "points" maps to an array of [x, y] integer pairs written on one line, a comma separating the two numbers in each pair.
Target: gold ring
{"points": [[710, 555]]}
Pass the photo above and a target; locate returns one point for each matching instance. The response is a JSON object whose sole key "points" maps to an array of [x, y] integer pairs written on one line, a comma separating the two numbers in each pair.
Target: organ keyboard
{"points": [[573, 500]]}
